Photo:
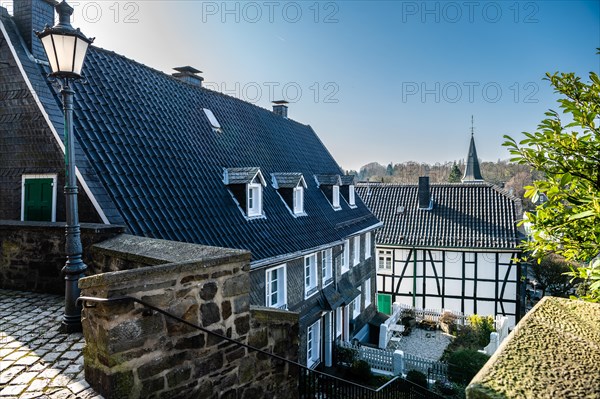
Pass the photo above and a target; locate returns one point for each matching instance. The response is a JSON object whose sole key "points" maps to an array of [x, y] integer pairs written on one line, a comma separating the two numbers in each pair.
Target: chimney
{"points": [[32, 16], [189, 75], [280, 108], [424, 194]]}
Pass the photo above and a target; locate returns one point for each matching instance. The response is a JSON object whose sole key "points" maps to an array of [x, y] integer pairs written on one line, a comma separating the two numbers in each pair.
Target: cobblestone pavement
{"points": [[427, 344], [36, 360]]}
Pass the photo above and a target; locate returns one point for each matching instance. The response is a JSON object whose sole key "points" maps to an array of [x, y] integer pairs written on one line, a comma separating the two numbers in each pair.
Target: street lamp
{"points": [[66, 48]]}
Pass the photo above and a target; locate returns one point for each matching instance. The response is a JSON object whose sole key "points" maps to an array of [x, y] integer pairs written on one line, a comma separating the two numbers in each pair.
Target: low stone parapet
{"points": [[134, 352]]}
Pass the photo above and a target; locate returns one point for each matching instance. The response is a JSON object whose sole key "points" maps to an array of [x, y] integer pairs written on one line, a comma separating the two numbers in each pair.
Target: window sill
{"points": [[313, 363], [327, 282], [310, 292]]}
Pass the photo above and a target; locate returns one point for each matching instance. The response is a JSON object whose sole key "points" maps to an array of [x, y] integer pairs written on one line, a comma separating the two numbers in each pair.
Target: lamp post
{"points": [[66, 48]]}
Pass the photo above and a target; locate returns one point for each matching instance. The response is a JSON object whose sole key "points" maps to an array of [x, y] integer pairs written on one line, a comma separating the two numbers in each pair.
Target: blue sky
{"points": [[377, 80]]}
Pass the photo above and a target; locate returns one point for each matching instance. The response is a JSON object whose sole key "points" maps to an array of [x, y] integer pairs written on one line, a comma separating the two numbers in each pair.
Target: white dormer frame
{"points": [[335, 196], [298, 200], [351, 195], [254, 204], [253, 199]]}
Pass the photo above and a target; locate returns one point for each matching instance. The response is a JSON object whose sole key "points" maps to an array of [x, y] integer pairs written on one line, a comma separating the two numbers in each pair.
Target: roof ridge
{"points": [[186, 84]]}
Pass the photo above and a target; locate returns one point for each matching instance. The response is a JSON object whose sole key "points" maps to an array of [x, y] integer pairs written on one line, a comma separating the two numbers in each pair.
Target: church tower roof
{"points": [[472, 171]]}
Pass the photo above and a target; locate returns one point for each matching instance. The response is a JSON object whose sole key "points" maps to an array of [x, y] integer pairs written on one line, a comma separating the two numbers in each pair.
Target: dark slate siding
{"points": [[27, 146], [295, 276], [463, 216]]}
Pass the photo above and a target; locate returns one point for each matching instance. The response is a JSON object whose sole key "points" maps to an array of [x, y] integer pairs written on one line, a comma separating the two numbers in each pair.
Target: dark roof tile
{"points": [[463, 215]]}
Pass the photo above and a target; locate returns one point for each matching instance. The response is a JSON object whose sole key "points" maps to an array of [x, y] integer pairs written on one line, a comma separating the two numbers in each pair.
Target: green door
{"points": [[384, 303], [38, 200]]}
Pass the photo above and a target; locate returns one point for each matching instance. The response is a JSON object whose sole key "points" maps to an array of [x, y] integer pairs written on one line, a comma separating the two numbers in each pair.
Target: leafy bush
{"points": [[482, 326], [361, 371], [445, 388], [464, 364], [345, 355], [417, 377]]}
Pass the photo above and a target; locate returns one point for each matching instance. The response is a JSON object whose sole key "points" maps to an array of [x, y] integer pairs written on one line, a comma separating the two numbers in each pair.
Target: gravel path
{"points": [[426, 344]]}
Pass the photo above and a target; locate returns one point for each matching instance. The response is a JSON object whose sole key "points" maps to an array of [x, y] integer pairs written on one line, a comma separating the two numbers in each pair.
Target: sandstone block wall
{"points": [[134, 352]]}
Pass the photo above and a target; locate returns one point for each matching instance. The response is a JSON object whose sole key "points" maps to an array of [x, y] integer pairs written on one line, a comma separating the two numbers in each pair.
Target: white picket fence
{"points": [[396, 362], [378, 359], [432, 369]]}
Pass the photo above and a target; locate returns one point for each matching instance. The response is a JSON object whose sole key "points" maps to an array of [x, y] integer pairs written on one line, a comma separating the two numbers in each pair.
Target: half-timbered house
{"points": [[447, 246]]}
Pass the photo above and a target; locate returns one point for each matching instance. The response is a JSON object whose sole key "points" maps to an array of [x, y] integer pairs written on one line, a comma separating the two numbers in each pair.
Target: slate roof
{"points": [[287, 180], [152, 160], [241, 175], [348, 180], [328, 180], [463, 215]]}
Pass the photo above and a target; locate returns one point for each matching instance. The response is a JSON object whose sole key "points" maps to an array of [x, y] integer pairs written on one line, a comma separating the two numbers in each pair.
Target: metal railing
{"points": [[312, 384]]}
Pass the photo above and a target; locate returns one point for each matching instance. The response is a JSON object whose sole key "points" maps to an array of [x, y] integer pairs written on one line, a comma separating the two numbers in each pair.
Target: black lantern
{"points": [[65, 46]]}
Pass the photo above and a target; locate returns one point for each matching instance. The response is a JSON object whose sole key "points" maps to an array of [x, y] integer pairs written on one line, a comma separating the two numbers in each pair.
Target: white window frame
{"points": [[256, 209], [367, 292], [356, 307], [313, 344], [281, 289], [356, 257], [368, 248], [339, 321], [54, 192], [310, 275], [212, 119], [298, 200], [351, 195], [345, 266], [335, 196], [386, 254], [327, 266]]}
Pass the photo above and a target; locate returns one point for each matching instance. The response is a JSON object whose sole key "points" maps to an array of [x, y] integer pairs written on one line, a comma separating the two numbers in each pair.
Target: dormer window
{"points": [[336, 196], [246, 187], [298, 200], [330, 187], [347, 190], [254, 199], [290, 187]]}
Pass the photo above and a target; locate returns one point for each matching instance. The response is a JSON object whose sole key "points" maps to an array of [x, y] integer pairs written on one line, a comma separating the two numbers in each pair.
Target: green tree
{"points": [[389, 170], [455, 174], [552, 273], [568, 153], [464, 364]]}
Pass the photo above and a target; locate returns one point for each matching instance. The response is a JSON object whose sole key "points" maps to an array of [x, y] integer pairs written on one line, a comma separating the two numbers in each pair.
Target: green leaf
{"points": [[582, 215]]}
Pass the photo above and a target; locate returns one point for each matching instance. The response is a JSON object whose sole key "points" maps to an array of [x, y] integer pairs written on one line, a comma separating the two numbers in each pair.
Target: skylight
{"points": [[216, 126]]}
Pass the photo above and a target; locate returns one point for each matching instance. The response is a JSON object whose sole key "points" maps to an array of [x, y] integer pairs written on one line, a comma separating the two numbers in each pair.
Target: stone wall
{"points": [[553, 352], [32, 254], [134, 352]]}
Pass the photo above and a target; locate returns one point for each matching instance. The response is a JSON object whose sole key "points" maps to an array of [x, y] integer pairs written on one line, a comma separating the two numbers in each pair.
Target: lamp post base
{"points": [[70, 326]]}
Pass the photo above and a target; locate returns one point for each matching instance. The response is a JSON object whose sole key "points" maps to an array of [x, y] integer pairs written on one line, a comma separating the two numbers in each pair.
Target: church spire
{"points": [[472, 171]]}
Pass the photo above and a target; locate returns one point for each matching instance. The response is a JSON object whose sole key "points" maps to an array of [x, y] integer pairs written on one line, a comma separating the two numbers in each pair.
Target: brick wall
{"points": [[32, 254], [132, 352]]}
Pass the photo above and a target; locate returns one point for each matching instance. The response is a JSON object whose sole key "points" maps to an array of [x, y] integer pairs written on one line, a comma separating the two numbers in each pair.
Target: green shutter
{"points": [[384, 303], [38, 200]]}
